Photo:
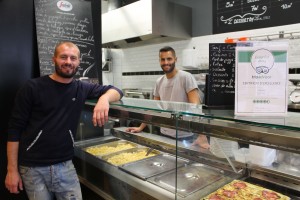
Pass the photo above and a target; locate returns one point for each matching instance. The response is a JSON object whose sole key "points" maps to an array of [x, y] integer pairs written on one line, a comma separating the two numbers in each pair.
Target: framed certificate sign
{"points": [[261, 79]]}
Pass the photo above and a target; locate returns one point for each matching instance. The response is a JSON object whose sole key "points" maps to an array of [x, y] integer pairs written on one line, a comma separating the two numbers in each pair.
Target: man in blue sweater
{"points": [[43, 126]]}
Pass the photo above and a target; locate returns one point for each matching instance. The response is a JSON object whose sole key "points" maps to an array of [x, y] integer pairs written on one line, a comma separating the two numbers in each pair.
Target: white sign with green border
{"points": [[261, 80]]}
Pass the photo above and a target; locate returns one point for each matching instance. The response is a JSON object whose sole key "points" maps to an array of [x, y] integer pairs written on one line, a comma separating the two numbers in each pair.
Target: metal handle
{"points": [[149, 151], [134, 93]]}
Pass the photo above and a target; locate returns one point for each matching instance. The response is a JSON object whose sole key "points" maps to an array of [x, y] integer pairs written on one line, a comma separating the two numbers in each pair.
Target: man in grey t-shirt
{"points": [[175, 85]]}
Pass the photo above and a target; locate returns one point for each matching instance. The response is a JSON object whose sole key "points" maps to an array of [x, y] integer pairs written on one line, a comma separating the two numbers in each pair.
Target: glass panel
{"points": [[235, 143], [291, 121], [287, 162]]}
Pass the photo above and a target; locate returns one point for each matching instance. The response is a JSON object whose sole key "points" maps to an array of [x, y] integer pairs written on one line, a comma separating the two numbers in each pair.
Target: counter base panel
{"points": [[105, 185]]}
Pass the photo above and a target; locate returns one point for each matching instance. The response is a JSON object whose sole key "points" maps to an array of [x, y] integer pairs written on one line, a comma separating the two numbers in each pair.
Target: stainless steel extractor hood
{"points": [[146, 22]]}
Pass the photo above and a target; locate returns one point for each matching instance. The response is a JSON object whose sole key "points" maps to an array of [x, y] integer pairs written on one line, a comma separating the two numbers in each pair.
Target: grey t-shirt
{"points": [[175, 89]]}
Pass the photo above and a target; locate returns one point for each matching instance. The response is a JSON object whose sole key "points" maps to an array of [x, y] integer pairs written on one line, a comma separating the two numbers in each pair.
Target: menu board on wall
{"points": [[238, 15], [70, 20], [220, 83]]}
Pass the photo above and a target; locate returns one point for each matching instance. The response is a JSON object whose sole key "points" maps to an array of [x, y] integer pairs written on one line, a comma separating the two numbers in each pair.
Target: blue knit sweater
{"points": [[45, 118]]}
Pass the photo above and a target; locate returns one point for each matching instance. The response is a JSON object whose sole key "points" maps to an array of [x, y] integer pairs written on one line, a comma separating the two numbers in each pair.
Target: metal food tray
{"points": [[137, 149], [83, 144], [190, 179], [111, 144], [153, 166]]}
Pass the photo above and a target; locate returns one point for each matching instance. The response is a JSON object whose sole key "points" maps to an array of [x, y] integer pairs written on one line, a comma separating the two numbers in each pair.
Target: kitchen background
{"points": [[19, 57], [138, 67], [145, 58]]}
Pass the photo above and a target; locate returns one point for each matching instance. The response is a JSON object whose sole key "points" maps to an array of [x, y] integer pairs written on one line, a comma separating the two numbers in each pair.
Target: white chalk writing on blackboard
{"points": [[248, 17], [286, 6], [240, 15], [54, 25], [221, 68]]}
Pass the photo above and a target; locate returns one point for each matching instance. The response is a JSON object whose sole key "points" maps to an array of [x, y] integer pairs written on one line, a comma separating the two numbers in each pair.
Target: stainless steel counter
{"points": [[124, 182], [280, 133]]}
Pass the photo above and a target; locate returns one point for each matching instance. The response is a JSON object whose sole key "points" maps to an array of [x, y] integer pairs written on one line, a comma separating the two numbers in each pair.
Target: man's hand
{"points": [[13, 182], [201, 141], [134, 129], [100, 115]]}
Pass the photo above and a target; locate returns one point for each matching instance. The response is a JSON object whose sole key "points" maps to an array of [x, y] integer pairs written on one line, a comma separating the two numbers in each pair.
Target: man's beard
{"points": [[63, 74], [172, 67]]}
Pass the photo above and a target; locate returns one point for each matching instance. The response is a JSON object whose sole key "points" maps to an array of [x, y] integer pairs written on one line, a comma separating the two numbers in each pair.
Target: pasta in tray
{"points": [[102, 150], [124, 158]]}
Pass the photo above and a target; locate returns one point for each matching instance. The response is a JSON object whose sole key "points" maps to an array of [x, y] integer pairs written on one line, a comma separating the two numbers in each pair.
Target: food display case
{"points": [[117, 164]]}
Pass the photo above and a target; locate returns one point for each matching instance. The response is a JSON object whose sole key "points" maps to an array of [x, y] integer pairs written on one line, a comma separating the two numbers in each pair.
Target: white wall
{"points": [[140, 59]]}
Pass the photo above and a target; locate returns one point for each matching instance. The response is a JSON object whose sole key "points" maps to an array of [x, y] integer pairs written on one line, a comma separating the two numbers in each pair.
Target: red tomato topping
{"points": [[239, 185], [270, 195], [229, 193], [215, 197]]}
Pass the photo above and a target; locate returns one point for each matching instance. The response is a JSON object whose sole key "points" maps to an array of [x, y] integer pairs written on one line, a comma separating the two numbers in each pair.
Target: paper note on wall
{"points": [[261, 79]]}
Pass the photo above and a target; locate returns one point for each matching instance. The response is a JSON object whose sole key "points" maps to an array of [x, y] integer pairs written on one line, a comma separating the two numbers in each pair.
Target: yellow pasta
{"points": [[101, 150], [124, 158]]}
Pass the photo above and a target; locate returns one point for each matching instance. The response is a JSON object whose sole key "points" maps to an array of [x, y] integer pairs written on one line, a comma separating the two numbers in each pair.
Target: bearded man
{"points": [[179, 86], [43, 126]]}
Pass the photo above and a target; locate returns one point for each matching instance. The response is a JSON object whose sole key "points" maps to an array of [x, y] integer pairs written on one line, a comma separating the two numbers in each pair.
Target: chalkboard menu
{"points": [[220, 81], [237, 15], [70, 20]]}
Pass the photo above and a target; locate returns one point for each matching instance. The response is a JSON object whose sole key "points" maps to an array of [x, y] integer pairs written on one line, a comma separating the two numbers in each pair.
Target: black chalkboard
{"points": [[220, 81], [69, 20], [238, 15]]}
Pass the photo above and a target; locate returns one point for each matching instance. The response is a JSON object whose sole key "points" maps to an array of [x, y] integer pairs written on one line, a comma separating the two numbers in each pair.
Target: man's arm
{"points": [[142, 126], [156, 98], [136, 129], [201, 140], [100, 115], [193, 96], [13, 181]]}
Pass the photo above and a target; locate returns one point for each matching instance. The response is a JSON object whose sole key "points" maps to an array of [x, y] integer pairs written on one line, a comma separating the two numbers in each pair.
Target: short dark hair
{"points": [[68, 44], [168, 48]]}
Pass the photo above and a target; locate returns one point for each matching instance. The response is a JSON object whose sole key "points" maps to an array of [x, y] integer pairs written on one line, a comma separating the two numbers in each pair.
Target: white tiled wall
{"points": [[114, 77], [145, 58]]}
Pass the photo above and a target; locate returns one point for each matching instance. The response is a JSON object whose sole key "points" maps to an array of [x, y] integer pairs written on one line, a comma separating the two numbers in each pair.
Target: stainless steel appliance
{"points": [[138, 93], [294, 96], [161, 21]]}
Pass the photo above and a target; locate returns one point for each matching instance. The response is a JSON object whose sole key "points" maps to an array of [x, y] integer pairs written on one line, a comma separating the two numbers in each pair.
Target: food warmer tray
{"points": [[133, 150], [190, 178], [153, 166], [111, 144]]}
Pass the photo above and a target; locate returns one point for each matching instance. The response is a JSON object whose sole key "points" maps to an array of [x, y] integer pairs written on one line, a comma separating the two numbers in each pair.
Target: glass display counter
{"points": [[118, 164]]}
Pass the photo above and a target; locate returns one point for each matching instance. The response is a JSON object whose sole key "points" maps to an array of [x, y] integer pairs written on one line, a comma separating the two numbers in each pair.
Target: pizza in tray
{"points": [[240, 190]]}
